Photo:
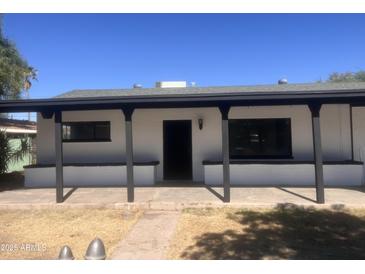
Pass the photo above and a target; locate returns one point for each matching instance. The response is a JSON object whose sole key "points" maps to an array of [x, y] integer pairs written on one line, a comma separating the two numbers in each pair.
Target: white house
{"points": [[284, 134]]}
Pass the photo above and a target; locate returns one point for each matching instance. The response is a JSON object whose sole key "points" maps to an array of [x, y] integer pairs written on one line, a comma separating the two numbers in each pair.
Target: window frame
{"points": [[94, 139], [263, 156]]}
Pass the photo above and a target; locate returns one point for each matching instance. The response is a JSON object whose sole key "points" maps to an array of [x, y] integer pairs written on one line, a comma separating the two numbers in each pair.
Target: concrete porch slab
{"points": [[175, 198]]}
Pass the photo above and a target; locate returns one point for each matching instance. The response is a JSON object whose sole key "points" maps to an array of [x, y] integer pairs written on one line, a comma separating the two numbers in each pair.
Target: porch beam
{"points": [[224, 109], [47, 114], [128, 113], [59, 156], [317, 150]]}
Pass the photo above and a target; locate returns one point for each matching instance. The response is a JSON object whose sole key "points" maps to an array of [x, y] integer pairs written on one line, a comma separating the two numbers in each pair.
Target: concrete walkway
{"points": [[175, 198], [149, 238]]}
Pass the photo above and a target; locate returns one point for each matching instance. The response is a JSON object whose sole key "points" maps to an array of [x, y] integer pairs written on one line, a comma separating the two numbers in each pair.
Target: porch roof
{"points": [[218, 90], [259, 95]]}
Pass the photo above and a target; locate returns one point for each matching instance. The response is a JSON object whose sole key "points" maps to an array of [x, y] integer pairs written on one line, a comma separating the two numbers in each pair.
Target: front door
{"points": [[177, 147]]}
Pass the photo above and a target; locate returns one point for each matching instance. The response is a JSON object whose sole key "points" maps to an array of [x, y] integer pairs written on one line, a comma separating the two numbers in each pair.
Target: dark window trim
{"points": [[280, 162], [87, 141], [266, 157], [94, 140]]}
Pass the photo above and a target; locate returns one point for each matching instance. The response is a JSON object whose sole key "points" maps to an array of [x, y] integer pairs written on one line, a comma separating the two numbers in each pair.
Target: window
{"points": [[260, 138], [86, 132]]}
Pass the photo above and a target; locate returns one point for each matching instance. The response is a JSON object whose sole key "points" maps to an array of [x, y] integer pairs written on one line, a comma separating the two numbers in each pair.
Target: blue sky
{"points": [[76, 51]]}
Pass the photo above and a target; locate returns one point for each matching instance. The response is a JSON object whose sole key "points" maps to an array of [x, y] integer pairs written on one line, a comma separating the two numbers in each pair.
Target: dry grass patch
{"points": [[196, 222], [48, 230], [286, 232]]}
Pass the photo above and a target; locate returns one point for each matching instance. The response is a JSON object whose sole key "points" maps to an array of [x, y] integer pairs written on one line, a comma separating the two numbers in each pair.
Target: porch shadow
{"points": [[215, 193], [296, 194], [11, 181], [286, 232], [69, 193]]}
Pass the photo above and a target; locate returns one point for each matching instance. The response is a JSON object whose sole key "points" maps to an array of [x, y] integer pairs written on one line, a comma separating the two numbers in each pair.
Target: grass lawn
{"points": [[286, 232], [49, 230]]}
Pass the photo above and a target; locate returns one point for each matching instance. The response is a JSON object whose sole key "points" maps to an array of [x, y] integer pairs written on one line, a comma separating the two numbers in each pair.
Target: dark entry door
{"points": [[177, 147]]}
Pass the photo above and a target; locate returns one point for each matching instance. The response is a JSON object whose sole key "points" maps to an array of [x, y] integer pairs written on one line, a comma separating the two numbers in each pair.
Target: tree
{"points": [[9, 153], [338, 77], [5, 152], [15, 73], [15, 77]]}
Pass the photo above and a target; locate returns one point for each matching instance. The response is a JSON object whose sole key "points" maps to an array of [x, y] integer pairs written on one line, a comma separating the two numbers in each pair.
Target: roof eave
{"points": [[194, 100]]}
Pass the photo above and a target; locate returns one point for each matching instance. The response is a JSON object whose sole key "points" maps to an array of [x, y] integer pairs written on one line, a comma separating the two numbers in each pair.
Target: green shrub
{"points": [[10, 154]]}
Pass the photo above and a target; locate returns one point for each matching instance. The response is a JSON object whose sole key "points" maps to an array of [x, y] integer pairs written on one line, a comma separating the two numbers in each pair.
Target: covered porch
{"points": [[67, 174], [313, 100], [62, 170]]}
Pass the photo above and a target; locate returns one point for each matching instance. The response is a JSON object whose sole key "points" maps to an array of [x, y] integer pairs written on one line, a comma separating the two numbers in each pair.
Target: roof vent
{"points": [[283, 81], [171, 84], [137, 86]]}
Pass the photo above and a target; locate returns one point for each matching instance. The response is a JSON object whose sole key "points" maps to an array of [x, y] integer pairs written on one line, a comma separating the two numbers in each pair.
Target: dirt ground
{"points": [[39, 234], [286, 232]]}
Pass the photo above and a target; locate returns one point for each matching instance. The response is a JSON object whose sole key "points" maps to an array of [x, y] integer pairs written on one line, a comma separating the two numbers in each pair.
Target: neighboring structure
{"points": [[285, 134], [18, 130]]}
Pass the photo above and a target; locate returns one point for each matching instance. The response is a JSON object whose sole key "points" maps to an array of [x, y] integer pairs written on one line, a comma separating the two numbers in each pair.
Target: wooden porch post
{"points": [[59, 156], [224, 109], [128, 112], [317, 150]]}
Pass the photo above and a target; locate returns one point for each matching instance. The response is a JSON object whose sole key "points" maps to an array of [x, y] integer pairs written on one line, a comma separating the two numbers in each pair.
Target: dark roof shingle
{"points": [[145, 92]]}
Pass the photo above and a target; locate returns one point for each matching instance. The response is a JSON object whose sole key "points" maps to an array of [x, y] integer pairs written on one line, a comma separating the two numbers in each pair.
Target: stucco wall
{"points": [[335, 128], [89, 176], [148, 132], [358, 118], [148, 136], [97, 152], [285, 175]]}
